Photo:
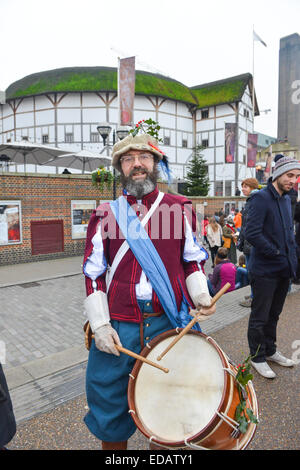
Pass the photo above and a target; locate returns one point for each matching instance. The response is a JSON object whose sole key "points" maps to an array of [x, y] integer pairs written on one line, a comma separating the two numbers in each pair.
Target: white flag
{"points": [[257, 38]]}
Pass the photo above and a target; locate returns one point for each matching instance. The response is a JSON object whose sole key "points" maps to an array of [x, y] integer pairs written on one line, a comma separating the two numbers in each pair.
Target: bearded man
{"points": [[272, 263], [125, 303]]}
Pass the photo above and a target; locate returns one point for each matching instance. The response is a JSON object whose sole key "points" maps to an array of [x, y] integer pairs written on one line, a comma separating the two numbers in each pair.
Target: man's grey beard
{"points": [[139, 189]]}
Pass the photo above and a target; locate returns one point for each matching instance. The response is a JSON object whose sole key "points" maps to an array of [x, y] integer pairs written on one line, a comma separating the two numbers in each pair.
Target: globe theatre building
{"points": [[63, 108]]}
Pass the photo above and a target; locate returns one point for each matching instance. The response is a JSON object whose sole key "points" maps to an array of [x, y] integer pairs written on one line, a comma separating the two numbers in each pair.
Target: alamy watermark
{"points": [[296, 94], [2, 352], [167, 222], [296, 353]]}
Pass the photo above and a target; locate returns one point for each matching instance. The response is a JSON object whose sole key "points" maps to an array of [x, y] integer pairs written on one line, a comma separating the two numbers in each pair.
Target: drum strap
{"points": [[125, 247], [149, 260]]}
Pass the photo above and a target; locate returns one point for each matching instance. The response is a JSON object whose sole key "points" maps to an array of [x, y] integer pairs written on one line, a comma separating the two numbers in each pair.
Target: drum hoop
{"points": [[211, 425]]}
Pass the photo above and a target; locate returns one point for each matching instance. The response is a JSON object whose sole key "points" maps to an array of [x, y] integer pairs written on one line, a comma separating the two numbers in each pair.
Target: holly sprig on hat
{"points": [[147, 126]]}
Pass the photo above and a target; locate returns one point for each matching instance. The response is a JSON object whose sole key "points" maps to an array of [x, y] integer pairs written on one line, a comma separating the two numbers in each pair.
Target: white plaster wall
{"points": [[70, 100], [93, 115], [167, 120], [24, 120], [223, 110], [7, 123], [44, 117], [204, 125], [68, 115], [168, 106], [220, 137], [42, 102], [26, 105], [208, 155], [143, 103]]}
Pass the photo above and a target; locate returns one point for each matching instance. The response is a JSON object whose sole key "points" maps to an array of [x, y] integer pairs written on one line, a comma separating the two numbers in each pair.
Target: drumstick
{"points": [[193, 321], [139, 357]]}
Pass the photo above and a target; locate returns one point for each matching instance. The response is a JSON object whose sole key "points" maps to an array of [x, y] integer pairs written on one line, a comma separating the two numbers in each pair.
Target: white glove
{"points": [[96, 309], [196, 284], [105, 339]]}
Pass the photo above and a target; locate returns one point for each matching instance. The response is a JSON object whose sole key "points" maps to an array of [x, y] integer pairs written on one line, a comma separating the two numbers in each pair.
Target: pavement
{"points": [[44, 358]]}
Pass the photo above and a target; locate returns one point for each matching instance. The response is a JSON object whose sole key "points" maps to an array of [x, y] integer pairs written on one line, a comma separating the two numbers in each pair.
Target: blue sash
{"points": [[144, 251]]}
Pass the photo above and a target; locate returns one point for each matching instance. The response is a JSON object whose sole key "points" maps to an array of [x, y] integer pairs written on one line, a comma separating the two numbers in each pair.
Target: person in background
{"points": [[237, 220], [217, 216], [293, 195], [221, 220], [272, 263], [249, 188], [230, 236], [296, 280], [7, 417], [214, 237], [204, 225], [224, 271], [242, 278]]}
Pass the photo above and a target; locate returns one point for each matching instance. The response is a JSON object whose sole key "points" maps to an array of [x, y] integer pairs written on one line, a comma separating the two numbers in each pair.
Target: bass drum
{"points": [[193, 406]]}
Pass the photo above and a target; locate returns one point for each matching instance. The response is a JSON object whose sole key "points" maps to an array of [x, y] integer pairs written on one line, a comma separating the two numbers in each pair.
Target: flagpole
{"points": [[253, 103]]}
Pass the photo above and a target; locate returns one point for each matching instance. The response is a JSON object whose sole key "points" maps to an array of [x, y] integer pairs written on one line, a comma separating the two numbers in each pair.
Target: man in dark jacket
{"points": [[273, 262], [249, 187], [297, 237]]}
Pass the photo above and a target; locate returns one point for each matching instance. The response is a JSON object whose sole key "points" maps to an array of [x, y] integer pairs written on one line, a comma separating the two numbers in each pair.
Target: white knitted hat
{"points": [[284, 164]]}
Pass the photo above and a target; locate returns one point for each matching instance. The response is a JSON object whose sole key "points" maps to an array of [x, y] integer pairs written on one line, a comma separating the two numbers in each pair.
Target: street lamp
{"points": [[104, 130], [122, 132]]}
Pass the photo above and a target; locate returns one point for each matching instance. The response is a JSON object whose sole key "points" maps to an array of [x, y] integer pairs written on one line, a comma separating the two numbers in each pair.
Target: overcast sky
{"points": [[192, 41]]}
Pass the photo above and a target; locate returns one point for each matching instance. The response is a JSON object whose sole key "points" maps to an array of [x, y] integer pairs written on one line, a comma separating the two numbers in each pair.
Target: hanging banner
{"points": [[126, 90], [251, 150], [230, 140]]}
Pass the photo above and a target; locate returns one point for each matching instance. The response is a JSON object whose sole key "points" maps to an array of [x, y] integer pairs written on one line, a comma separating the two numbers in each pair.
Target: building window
{"points": [[166, 140], [25, 137], [246, 113], [69, 137], [219, 188], [95, 137], [204, 114], [204, 143], [228, 188], [184, 143], [45, 139]]}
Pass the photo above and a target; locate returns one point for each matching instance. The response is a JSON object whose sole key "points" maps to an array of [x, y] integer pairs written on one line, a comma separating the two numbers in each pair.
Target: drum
{"points": [[193, 406]]}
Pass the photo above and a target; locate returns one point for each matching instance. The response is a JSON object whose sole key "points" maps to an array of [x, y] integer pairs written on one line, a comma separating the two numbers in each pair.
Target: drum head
{"points": [[177, 405]]}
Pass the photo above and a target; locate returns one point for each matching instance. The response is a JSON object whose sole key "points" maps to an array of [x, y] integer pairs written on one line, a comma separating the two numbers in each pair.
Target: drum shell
{"points": [[217, 434]]}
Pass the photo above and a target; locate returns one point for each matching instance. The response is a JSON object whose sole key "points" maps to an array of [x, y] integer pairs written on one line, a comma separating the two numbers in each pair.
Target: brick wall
{"points": [[48, 197], [45, 197]]}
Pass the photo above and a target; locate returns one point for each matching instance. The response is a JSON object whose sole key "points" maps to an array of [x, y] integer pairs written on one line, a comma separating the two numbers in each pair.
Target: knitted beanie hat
{"points": [[284, 164]]}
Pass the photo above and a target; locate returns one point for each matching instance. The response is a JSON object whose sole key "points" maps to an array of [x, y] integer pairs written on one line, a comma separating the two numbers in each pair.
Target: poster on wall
{"points": [[230, 139], [81, 212], [10, 222], [251, 150]]}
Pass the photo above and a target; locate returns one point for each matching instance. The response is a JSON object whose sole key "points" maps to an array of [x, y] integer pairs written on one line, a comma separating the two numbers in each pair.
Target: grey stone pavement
{"points": [[42, 345]]}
